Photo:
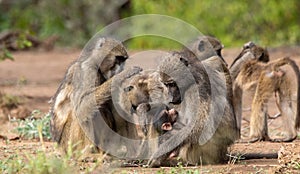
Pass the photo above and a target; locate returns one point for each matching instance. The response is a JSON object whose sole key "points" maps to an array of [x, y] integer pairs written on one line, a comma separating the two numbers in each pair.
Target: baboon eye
{"points": [[129, 88]]}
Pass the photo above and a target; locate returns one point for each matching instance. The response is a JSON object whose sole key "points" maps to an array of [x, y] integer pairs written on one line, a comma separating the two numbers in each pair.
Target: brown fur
{"points": [[86, 91], [190, 138], [266, 78]]}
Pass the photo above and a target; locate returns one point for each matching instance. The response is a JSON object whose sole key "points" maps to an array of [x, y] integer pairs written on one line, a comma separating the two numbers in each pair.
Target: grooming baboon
{"points": [[250, 52], [204, 135], [252, 70], [82, 105], [253, 52]]}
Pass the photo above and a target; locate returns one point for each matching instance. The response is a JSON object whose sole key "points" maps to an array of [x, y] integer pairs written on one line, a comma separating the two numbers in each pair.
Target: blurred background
{"points": [[71, 23]]}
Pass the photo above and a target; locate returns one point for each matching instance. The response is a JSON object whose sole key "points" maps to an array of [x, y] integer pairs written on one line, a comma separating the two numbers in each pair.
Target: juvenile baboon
{"points": [[84, 96], [205, 112], [252, 70], [143, 88]]}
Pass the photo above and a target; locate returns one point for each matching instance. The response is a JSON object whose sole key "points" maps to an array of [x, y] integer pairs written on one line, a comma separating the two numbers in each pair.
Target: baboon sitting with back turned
{"points": [[249, 71], [84, 97]]}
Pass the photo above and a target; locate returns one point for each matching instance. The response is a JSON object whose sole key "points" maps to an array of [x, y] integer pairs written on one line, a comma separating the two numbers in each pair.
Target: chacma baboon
{"points": [[143, 88], [160, 116], [84, 96], [250, 51], [205, 111], [251, 69]]}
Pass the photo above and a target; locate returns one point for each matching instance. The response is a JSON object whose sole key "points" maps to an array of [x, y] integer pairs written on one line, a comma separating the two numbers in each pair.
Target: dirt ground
{"points": [[35, 75]]}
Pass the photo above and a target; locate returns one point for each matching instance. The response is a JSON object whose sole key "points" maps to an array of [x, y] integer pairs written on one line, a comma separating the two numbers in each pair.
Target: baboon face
{"points": [[114, 54], [137, 92], [159, 116], [172, 87], [114, 66], [165, 120], [144, 88]]}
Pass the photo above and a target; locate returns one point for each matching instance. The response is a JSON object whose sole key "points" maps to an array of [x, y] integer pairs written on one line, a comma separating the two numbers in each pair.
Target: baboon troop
{"points": [[187, 110]]}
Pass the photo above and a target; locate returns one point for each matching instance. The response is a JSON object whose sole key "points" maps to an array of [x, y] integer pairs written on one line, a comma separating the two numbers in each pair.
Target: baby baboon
{"points": [[204, 135], [160, 116], [252, 71], [84, 95]]}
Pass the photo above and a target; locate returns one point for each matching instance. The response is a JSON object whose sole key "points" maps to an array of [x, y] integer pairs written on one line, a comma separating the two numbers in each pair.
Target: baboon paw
{"points": [[131, 71], [287, 139]]}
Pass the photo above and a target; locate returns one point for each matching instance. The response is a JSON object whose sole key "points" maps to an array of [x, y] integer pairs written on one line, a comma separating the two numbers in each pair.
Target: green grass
{"points": [[31, 126], [40, 160]]}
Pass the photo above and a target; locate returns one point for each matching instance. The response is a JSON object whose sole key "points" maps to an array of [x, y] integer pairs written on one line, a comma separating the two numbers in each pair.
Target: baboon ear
{"points": [[201, 46], [183, 60], [129, 88], [166, 126]]}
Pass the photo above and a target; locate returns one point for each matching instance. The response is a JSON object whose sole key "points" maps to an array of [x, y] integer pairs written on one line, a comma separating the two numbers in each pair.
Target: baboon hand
{"points": [[127, 73]]}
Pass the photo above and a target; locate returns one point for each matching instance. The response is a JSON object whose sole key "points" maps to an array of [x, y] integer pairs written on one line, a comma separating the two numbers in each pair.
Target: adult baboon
{"points": [[82, 112], [251, 69], [208, 124]]}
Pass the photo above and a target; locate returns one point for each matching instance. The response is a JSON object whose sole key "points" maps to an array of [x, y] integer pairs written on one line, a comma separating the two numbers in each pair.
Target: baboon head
{"points": [[137, 91], [256, 52], [204, 47], [260, 54], [114, 60], [144, 88], [108, 56], [158, 115], [175, 75]]}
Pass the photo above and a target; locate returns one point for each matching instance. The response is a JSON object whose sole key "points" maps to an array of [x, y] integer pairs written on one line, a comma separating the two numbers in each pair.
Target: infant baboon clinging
{"points": [[251, 69], [158, 115], [84, 96]]}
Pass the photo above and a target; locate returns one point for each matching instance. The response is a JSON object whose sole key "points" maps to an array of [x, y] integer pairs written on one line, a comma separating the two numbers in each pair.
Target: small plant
{"points": [[235, 158], [29, 128], [6, 55], [9, 101], [295, 165], [37, 163]]}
